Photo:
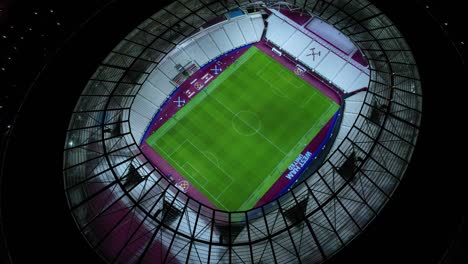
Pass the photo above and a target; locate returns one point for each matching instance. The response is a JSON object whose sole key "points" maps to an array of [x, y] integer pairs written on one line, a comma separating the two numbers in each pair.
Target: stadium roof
{"points": [[313, 221], [310, 223]]}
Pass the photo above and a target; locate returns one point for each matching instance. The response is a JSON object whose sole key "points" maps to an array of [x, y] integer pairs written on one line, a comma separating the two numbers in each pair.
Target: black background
{"points": [[424, 222]]}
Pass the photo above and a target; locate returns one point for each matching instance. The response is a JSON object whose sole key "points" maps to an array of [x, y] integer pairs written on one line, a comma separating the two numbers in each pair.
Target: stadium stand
{"points": [[203, 47], [361, 82], [331, 35], [221, 40], [168, 67], [191, 47], [312, 61], [161, 81], [334, 65], [208, 46], [212, 42], [153, 94], [348, 74], [309, 223], [331, 66], [279, 31], [258, 25], [141, 114], [297, 44], [234, 34], [178, 56], [245, 24], [353, 105]]}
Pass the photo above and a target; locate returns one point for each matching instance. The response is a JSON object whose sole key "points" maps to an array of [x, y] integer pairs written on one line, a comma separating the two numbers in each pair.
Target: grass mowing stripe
{"points": [[243, 130], [200, 96], [269, 141], [192, 178]]}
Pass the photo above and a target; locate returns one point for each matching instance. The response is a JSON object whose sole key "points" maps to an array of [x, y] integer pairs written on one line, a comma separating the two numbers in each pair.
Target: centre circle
{"points": [[246, 123]]}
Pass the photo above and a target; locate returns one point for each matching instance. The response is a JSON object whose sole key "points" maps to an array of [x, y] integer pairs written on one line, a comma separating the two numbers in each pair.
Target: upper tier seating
{"points": [[201, 48], [335, 67]]}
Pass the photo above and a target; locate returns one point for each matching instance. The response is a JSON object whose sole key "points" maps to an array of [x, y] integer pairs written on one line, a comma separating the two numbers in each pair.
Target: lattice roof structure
{"points": [[130, 212]]}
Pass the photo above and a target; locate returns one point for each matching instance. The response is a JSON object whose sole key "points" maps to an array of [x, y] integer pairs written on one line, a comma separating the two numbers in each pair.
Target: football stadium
{"points": [[226, 131], [230, 137], [244, 122]]}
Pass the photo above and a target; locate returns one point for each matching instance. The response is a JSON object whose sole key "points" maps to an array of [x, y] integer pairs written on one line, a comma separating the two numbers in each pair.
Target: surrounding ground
{"points": [[235, 138]]}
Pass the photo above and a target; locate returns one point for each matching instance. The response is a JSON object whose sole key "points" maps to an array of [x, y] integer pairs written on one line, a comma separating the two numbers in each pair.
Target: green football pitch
{"points": [[234, 139]]}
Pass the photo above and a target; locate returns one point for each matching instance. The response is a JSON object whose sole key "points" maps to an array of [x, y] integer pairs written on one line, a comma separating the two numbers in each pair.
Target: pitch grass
{"points": [[233, 140]]}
